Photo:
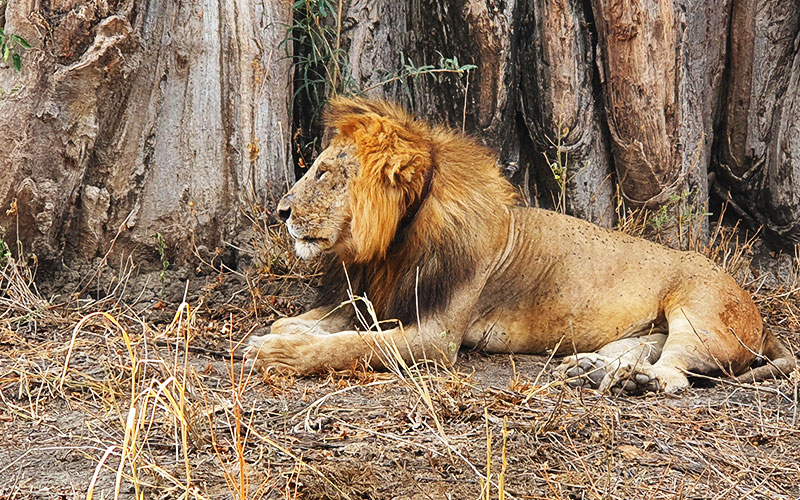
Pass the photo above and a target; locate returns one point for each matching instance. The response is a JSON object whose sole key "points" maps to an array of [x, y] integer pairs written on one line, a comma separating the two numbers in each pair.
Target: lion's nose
{"points": [[285, 207]]}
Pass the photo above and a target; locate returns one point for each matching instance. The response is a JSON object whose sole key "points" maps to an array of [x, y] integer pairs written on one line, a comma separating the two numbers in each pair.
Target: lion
{"points": [[420, 220]]}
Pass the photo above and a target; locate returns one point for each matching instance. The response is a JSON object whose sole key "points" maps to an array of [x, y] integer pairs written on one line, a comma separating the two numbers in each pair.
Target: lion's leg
{"points": [[698, 342], [320, 321], [594, 369], [307, 353]]}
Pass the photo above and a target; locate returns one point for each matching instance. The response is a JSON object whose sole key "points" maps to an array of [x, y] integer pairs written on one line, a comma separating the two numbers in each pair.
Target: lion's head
{"points": [[356, 193], [405, 205]]}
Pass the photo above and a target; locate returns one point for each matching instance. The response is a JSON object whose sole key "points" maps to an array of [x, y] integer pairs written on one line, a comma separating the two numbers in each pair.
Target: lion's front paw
{"points": [[291, 352], [291, 326]]}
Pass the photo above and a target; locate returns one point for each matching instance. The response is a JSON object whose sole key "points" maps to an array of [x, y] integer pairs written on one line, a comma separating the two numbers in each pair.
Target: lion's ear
{"points": [[394, 158]]}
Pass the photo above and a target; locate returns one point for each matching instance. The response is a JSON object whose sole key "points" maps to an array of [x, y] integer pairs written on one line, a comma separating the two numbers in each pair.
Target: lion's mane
{"points": [[412, 267]]}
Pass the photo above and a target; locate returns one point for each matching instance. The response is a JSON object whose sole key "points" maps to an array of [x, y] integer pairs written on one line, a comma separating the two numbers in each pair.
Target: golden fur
{"points": [[429, 230], [394, 152]]}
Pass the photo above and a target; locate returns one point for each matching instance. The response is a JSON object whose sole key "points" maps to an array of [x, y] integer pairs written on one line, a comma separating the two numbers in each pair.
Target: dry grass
{"points": [[98, 400]]}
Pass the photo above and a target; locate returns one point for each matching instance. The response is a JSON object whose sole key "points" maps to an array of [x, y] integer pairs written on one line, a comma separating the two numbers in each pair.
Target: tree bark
{"points": [[634, 88], [758, 158], [142, 117], [483, 103], [500, 38], [661, 65], [559, 85], [637, 44]]}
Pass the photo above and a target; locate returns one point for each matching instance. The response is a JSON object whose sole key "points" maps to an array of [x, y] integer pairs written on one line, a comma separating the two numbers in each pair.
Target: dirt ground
{"points": [[131, 391]]}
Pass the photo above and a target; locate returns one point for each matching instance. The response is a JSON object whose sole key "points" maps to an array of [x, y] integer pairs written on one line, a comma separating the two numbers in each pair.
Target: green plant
{"points": [[161, 245], [661, 218], [558, 165], [689, 215], [10, 44], [5, 253], [7, 93], [410, 71], [313, 42]]}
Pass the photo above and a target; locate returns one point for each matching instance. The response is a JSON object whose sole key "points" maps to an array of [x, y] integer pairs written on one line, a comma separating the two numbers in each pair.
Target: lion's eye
{"points": [[320, 174]]}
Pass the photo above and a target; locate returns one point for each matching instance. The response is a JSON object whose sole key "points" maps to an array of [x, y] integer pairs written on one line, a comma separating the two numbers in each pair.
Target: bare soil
{"points": [[153, 405]]}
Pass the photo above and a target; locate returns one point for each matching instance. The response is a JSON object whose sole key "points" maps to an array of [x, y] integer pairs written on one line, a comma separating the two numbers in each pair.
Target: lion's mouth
{"points": [[307, 239], [302, 238], [308, 246]]}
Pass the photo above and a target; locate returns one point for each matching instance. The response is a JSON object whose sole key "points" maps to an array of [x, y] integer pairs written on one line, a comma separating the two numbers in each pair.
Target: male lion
{"points": [[420, 220]]}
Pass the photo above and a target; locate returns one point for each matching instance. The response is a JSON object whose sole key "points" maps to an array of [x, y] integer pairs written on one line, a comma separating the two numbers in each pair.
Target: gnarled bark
{"points": [[142, 117], [156, 117], [637, 42], [559, 99], [661, 65], [758, 158], [484, 103]]}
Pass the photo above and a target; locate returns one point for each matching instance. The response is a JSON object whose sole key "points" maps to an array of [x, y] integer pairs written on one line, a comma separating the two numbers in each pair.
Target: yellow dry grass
{"points": [[99, 400]]}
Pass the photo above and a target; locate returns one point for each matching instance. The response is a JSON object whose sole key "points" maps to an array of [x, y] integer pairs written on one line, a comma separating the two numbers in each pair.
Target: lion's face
{"points": [[317, 209], [352, 199]]}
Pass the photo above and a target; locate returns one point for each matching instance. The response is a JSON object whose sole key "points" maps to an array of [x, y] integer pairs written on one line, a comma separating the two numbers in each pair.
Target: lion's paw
{"points": [[279, 351], [584, 370], [641, 379]]}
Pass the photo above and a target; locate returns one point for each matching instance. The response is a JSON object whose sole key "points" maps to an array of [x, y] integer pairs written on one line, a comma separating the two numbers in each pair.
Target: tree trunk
{"points": [[661, 67], [501, 39], [591, 93], [142, 117], [559, 88], [381, 33], [145, 117], [758, 158]]}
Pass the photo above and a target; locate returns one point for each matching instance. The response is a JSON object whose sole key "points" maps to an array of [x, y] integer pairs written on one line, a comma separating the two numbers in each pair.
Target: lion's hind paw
{"points": [[584, 370], [614, 376], [644, 378], [631, 380]]}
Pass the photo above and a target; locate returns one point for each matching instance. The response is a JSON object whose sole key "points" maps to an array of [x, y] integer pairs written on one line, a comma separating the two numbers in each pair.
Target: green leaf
{"points": [[6, 51], [16, 61]]}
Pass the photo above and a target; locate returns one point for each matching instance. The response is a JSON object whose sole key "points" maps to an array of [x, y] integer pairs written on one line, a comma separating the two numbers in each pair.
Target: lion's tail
{"points": [[780, 362]]}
